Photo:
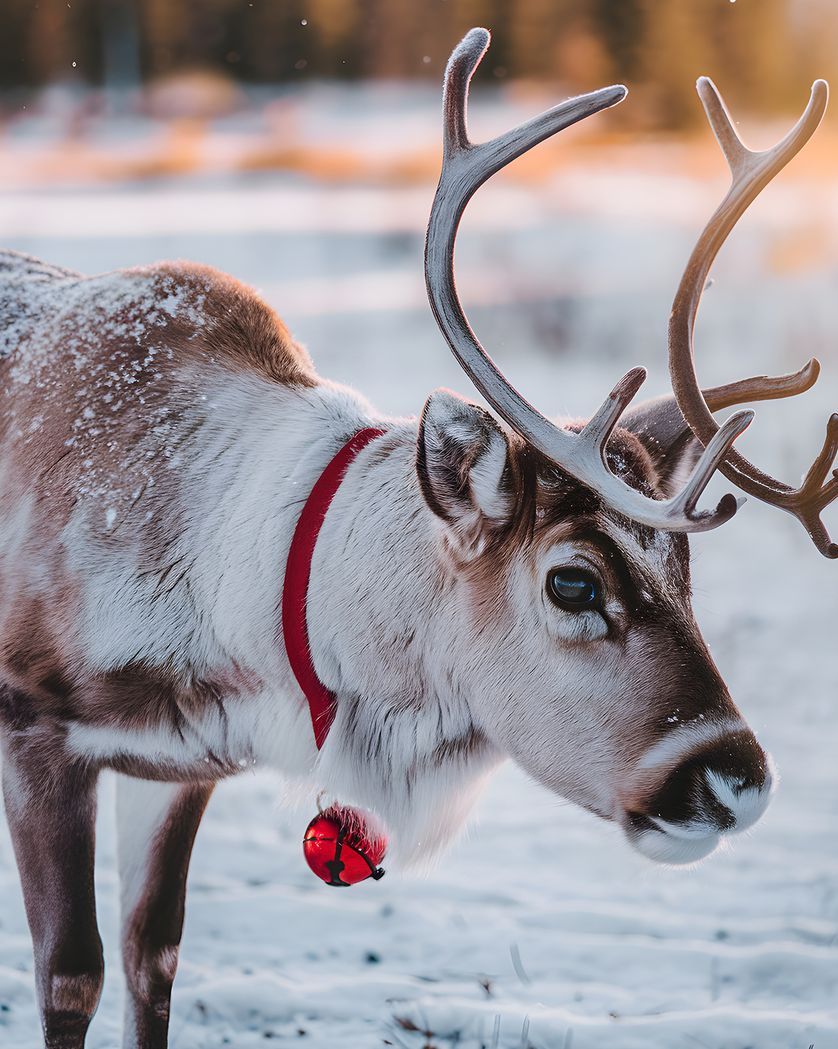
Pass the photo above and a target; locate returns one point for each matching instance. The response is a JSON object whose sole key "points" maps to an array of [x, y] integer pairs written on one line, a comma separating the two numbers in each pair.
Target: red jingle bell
{"points": [[341, 849]]}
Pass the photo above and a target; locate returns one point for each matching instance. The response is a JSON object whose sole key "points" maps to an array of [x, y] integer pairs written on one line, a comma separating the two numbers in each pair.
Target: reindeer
{"points": [[478, 589]]}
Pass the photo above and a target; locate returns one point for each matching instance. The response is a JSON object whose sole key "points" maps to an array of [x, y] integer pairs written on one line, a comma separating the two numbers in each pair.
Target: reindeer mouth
{"points": [[670, 843]]}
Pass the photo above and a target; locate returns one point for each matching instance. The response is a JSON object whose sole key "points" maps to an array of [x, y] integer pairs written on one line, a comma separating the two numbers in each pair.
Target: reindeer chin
{"points": [[671, 845]]}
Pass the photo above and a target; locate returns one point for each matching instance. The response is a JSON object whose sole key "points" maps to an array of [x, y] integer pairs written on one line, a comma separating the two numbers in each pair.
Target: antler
{"points": [[750, 172], [466, 165]]}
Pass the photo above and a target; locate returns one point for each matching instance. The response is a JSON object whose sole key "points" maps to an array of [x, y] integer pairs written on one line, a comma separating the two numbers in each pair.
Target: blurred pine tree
{"points": [[674, 49], [762, 51]]}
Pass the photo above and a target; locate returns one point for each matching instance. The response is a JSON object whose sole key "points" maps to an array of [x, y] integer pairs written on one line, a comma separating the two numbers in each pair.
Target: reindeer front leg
{"points": [[157, 823], [51, 808]]}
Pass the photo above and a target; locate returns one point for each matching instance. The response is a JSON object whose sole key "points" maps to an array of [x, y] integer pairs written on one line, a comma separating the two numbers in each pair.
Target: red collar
{"points": [[321, 702]]}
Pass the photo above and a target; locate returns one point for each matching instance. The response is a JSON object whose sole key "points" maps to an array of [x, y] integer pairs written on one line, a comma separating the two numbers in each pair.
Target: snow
{"points": [[80, 314], [540, 928]]}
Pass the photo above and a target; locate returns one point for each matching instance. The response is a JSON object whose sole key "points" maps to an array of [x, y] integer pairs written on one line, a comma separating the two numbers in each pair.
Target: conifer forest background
{"points": [[763, 49]]}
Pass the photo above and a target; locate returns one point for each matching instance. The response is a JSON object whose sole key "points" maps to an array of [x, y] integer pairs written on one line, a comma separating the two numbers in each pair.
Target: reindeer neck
{"points": [[403, 742]]}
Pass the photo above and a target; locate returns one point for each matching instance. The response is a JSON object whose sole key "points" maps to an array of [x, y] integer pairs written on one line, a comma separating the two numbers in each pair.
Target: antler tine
{"points": [[716, 451], [763, 387], [465, 167], [601, 424], [820, 468], [742, 160], [489, 157], [720, 121], [465, 58], [751, 171], [818, 490]]}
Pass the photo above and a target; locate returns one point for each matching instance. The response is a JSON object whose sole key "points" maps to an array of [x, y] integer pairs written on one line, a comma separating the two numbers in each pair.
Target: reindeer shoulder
{"points": [[180, 313]]}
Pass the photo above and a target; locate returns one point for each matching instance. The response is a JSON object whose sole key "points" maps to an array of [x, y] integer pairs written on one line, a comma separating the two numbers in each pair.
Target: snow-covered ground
{"points": [[540, 928]]}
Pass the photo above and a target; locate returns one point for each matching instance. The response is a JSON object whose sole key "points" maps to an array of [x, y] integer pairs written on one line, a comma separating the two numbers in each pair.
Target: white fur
{"points": [[746, 805], [430, 697], [676, 849], [683, 738], [141, 810], [390, 691], [454, 426], [226, 612], [17, 790], [142, 807], [158, 745], [692, 830], [485, 477], [245, 736]]}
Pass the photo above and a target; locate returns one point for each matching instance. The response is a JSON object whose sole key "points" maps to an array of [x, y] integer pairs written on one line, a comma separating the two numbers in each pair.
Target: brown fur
{"points": [[127, 369], [152, 932], [549, 506], [96, 381], [242, 330], [664, 644], [100, 382], [51, 808]]}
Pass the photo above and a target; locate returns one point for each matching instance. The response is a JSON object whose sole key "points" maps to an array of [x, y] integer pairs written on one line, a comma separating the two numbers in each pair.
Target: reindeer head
{"points": [[571, 630]]}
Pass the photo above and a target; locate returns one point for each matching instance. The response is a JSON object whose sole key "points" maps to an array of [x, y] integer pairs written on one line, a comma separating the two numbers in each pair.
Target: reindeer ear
{"points": [[667, 438], [463, 467]]}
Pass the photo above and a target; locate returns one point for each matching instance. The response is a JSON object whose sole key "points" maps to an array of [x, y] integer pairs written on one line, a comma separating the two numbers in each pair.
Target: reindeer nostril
{"points": [[686, 797], [744, 794], [739, 784]]}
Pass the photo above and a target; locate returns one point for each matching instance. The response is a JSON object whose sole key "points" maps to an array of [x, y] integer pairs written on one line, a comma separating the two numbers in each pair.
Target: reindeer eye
{"points": [[573, 589]]}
